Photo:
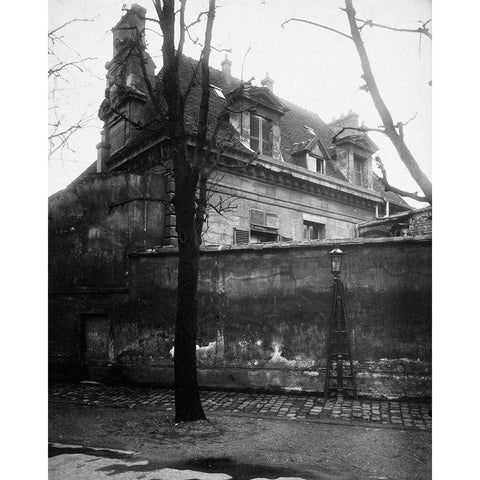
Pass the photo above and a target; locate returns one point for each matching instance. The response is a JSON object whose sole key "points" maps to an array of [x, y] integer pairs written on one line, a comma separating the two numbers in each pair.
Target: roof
{"points": [[292, 122], [295, 135]]}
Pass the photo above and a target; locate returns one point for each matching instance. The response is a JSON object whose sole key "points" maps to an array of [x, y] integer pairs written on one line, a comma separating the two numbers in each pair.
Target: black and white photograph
{"points": [[238, 239]]}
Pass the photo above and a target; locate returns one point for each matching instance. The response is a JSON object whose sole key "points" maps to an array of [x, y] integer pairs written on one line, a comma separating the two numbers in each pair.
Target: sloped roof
{"points": [[294, 136], [292, 122]]}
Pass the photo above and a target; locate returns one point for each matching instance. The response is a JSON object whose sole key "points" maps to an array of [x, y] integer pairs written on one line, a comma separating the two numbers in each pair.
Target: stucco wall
{"points": [[264, 313], [290, 205], [94, 222]]}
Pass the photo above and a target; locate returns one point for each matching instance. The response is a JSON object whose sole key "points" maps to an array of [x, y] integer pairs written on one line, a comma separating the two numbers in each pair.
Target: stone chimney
{"points": [[226, 68], [267, 82], [349, 119]]}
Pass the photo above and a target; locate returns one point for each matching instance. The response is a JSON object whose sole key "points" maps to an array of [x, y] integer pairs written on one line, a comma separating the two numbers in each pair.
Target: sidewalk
{"points": [[391, 413]]}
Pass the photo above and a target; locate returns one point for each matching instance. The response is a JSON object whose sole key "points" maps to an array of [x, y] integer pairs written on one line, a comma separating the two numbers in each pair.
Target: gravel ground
{"points": [[244, 447]]}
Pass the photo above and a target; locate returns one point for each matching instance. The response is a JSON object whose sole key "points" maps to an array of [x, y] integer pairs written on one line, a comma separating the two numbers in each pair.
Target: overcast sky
{"points": [[313, 68]]}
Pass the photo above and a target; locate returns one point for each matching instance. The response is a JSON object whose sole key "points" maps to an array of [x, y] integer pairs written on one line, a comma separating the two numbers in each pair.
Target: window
{"points": [[260, 135], [313, 231], [240, 237], [320, 165], [264, 226], [263, 237], [315, 164], [358, 163]]}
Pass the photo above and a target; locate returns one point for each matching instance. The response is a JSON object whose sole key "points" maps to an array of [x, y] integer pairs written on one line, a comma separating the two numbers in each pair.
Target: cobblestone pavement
{"points": [[404, 414]]}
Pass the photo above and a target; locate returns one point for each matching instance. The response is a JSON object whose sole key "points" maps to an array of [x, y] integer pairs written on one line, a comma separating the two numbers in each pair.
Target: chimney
{"points": [[267, 82], [349, 119], [227, 68]]}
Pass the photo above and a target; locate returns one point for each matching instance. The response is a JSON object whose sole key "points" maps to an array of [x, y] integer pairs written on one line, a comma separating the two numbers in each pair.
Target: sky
{"points": [[313, 68]]}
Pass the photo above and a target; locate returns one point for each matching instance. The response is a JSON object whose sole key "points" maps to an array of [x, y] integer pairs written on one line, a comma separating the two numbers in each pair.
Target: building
{"points": [[296, 182]]}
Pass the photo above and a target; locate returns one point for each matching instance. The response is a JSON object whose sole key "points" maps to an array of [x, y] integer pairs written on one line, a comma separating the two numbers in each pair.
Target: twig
{"points": [[398, 191], [317, 25]]}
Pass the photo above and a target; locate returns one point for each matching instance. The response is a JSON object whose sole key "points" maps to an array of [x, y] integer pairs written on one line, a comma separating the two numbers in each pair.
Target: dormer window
{"points": [[315, 164], [260, 135]]}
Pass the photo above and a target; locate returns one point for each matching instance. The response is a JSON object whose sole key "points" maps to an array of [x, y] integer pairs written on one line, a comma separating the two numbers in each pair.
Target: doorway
{"points": [[96, 343]]}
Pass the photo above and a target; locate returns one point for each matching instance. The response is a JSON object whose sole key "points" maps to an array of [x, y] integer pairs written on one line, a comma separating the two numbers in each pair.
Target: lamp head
{"points": [[336, 256]]}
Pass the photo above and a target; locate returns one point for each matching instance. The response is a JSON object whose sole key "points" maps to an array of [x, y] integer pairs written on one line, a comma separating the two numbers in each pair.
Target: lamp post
{"points": [[338, 348], [336, 258]]}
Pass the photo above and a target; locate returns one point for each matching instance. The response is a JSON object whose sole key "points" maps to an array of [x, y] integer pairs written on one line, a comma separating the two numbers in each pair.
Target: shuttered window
{"points": [[240, 237], [257, 217]]}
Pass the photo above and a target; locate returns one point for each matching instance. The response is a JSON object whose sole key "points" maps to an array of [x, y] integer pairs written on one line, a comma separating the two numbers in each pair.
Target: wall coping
{"points": [[218, 249]]}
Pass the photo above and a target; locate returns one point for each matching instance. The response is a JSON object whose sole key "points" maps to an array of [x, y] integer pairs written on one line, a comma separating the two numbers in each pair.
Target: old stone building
{"points": [[295, 184], [290, 184]]}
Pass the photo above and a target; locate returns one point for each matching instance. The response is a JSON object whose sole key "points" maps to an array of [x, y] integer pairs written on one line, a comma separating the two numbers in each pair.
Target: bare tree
{"points": [[191, 167], [393, 130], [63, 70], [193, 158]]}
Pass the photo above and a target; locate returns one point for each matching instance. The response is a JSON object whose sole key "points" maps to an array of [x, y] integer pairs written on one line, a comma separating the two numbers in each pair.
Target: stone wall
{"points": [[263, 317], [421, 222], [95, 221]]}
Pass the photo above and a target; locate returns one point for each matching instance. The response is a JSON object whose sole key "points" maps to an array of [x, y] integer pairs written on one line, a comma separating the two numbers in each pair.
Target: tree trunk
{"points": [[404, 153], [187, 397]]}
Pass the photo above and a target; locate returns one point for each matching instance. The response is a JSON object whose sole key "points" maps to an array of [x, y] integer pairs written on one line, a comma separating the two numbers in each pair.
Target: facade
{"points": [[283, 175]]}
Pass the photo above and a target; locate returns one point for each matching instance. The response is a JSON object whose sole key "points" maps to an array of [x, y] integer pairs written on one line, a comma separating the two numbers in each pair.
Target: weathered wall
{"points": [[93, 223], [264, 312], [290, 205]]}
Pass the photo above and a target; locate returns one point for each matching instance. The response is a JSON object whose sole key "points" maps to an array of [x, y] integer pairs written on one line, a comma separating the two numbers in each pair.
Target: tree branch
{"points": [[358, 129], [325, 27], [423, 30], [390, 128], [142, 198], [181, 40], [52, 33], [199, 155], [398, 191]]}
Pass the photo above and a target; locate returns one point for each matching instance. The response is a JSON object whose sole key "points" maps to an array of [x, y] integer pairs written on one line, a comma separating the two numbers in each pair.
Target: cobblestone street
{"points": [[405, 414]]}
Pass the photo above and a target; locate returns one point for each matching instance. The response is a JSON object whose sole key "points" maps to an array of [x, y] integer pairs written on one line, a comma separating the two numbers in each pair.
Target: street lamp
{"points": [[336, 256], [339, 375]]}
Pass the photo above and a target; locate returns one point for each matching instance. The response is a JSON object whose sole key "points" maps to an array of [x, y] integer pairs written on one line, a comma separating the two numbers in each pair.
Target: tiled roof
{"points": [[292, 123], [294, 135]]}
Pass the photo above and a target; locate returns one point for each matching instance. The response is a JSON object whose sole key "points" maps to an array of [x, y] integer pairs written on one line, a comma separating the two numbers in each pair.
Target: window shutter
{"points": [[273, 221], [254, 133], [241, 237], [266, 137], [257, 217]]}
